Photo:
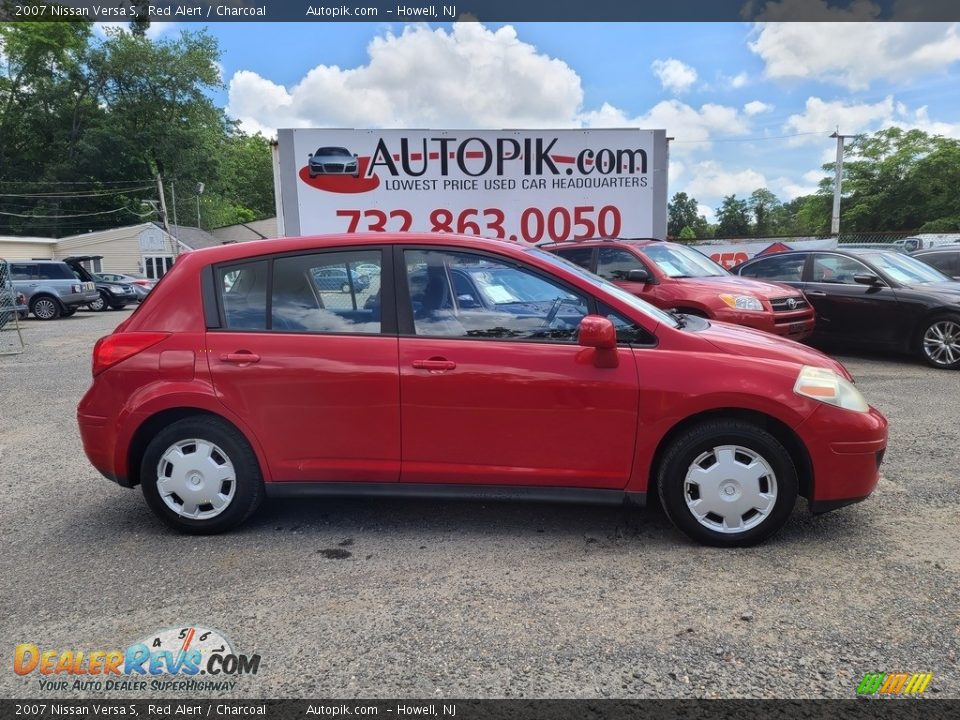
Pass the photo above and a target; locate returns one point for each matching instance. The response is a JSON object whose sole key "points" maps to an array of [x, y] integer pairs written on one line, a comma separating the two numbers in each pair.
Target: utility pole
{"points": [[837, 182], [173, 198], [163, 213], [199, 193]]}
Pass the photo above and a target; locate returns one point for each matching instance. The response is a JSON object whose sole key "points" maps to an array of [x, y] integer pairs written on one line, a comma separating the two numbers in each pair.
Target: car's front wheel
{"points": [[201, 476], [727, 483], [67, 312], [45, 308], [940, 342]]}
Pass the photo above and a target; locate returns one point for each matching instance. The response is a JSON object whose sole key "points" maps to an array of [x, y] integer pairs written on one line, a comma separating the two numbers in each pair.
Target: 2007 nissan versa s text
{"points": [[467, 367]]}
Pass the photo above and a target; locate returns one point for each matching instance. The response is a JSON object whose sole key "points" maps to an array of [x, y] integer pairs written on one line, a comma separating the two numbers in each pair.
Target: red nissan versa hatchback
{"points": [[466, 367]]}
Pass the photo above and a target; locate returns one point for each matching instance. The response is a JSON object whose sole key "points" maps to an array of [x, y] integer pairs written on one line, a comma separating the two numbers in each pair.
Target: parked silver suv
{"points": [[51, 288]]}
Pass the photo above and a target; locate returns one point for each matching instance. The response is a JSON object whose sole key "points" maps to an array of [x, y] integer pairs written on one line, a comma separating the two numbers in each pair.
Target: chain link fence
{"points": [[11, 339]]}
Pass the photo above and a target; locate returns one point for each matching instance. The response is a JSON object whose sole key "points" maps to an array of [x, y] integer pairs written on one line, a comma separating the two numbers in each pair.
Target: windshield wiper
{"points": [[681, 320]]}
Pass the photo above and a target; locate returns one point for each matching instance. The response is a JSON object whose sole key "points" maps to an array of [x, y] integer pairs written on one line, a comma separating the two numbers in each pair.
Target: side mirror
{"points": [[866, 279], [597, 332], [640, 275], [467, 302], [355, 155]]}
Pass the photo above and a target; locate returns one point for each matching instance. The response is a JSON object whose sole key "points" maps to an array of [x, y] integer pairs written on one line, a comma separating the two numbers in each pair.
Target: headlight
{"points": [[76, 289], [109, 289], [742, 302], [826, 386]]}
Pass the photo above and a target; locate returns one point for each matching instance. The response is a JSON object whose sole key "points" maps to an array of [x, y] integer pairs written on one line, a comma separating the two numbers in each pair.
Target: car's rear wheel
{"points": [[345, 288], [98, 305], [67, 312], [940, 342], [201, 476], [727, 483], [45, 308]]}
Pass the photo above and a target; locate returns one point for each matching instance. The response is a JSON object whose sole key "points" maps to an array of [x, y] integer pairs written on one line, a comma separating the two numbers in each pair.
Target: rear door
{"points": [[312, 370], [499, 392]]}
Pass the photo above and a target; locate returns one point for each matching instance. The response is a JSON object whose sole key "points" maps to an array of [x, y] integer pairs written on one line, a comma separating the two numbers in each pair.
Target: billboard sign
{"points": [[522, 185]]}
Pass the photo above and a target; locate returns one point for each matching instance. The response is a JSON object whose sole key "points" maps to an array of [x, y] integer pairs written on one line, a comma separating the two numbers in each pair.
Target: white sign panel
{"points": [[523, 185]]}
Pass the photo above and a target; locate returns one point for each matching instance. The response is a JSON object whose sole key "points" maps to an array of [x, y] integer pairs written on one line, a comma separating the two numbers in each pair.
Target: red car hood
{"points": [[739, 340], [736, 284]]}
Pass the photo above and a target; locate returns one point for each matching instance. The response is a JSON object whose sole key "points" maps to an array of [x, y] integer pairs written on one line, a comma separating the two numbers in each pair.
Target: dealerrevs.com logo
{"points": [[169, 660]]}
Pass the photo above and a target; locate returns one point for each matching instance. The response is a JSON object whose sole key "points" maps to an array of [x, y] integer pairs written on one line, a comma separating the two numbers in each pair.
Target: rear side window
{"points": [[578, 256], [327, 293], [243, 295], [55, 271], [788, 268], [947, 263], [22, 271]]}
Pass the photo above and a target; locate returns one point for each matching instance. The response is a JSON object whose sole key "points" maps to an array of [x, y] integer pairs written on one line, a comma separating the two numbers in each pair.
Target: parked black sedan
{"points": [[872, 298], [945, 258]]}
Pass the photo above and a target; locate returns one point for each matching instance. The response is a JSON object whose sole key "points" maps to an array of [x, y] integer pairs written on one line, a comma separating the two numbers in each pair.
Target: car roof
{"points": [[599, 241], [937, 249], [257, 248]]}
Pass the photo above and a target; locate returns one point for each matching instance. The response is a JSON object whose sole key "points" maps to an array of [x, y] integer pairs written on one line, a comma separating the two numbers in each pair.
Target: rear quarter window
{"points": [[242, 289]]}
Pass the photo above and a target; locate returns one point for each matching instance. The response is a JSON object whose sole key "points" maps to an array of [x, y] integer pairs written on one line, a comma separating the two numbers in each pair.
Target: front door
{"points": [[848, 310], [314, 372], [495, 390]]}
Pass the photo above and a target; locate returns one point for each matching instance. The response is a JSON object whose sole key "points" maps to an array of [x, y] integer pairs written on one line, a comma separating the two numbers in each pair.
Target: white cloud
{"points": [[674, 75], [709, 214], [739, 80], [468, 76], [691, 128], [710, 179], [847, 53], [787, 189], [822, 116], [755, 107]]}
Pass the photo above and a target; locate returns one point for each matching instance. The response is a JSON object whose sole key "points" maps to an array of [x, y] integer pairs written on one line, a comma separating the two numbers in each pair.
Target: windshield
{"points": [[336, 151], [904, 269], [654, 313], [679, 262]]}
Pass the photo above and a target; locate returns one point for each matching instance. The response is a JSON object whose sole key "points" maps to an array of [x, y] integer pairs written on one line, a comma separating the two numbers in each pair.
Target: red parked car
{"points": [[464, 369], [676, 277]]}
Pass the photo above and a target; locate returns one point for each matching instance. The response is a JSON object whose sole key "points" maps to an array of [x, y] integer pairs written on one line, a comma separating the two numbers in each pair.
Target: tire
{"points": [[98, 305], [118, 306], [240, 487], [759, 503], [345, 288], [939, 342], [45, 308], [67, 312]]}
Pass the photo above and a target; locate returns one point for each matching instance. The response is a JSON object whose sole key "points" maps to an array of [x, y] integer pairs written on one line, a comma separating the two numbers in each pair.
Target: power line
{"points": [[79, 193], [750, 139], [76, 182], [79, 215]]}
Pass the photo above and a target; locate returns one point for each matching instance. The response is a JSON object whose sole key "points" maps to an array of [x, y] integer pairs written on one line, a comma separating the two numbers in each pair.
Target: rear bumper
{"points": [[79, 299], [846, 449], [99, 446]]}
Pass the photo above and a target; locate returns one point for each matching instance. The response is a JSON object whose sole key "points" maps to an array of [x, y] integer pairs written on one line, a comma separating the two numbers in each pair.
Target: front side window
{"points": [[788, 268], [462, 295], [325, 293], [54, 271], [837, 269], [616, 264]]}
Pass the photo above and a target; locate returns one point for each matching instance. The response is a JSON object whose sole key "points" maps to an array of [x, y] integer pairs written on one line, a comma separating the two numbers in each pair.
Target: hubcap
{"points": [[196, 479], [941, 342], [730, 489], [44, 309]]}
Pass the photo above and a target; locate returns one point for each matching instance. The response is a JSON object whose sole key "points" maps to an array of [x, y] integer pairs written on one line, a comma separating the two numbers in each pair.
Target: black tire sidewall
{"points": [[249, 483], [686, 448]]}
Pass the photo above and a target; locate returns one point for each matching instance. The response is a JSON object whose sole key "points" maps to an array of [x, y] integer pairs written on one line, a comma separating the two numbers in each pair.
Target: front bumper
{"points": [[846, 449], [797, 325]]}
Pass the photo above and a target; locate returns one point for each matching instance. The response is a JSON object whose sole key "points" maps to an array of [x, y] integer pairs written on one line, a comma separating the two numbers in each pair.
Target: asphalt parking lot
{"points": [[385, 598]]}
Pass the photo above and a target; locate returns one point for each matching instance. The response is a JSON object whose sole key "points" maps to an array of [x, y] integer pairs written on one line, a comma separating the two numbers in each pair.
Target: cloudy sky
{"points": [[750, 104]]}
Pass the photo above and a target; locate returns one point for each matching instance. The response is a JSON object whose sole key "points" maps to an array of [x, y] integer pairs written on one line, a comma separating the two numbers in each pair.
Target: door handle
{"points": [[435, 364], [816, 293], [240, 358]]}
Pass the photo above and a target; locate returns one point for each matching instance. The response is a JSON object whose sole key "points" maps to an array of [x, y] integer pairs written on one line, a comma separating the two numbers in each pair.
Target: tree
{"points": [[767, 212], [733, 217], [684, 212]]}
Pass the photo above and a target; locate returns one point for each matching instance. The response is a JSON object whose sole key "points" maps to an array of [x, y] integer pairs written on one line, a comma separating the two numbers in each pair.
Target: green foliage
{"points": [[688, 233], [108, 115], [733, 217], [684, 212]]}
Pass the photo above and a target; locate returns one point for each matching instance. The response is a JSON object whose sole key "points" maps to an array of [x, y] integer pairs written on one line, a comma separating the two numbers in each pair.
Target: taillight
{"points": [[116, 348], [141, 282]]}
